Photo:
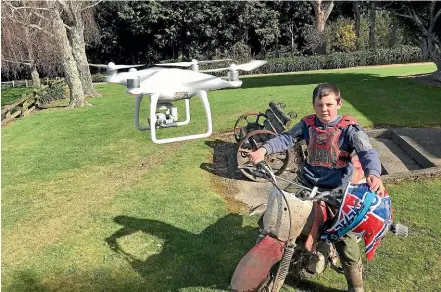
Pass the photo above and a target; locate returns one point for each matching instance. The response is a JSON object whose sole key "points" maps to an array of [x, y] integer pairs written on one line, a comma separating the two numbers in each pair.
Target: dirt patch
{"points": [[240, 193]]}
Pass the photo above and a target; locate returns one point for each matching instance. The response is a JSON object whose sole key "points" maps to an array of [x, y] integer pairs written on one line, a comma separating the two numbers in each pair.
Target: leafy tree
{"points": [[423, 22], [293, 17]]}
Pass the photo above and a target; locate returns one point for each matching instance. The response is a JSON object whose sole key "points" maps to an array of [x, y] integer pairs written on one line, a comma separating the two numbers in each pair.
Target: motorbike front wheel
{"points": [[254, 271]]}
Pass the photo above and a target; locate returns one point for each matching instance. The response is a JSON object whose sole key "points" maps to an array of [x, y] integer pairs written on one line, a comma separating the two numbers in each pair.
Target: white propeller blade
{"points": [[127, 66], [112, 65], [177, 64], [213, 61], [254, 64], [188, 64], [98, 65], [245, 67]]}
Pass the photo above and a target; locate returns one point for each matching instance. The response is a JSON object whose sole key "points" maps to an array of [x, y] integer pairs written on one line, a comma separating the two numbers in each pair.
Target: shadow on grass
{"points": [[200, 260], [187, 260], [309, 286], [207, 259]]}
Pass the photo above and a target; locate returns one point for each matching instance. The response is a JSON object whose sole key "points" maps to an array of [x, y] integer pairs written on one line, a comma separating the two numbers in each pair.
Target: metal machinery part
{"points": [[251, 142], [247, 123], [252, 130]]}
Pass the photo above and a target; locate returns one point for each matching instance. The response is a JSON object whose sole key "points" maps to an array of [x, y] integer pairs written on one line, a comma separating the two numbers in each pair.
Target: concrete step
{"points": [[425, 141], [393, 158]]}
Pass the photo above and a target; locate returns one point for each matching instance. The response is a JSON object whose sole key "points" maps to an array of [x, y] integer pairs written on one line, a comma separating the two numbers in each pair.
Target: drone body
{"points": [[165, 86], [169, 82]]}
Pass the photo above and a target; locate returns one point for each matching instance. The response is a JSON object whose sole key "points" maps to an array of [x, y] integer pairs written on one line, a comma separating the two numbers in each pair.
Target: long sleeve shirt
{"points": [[349, 141]]}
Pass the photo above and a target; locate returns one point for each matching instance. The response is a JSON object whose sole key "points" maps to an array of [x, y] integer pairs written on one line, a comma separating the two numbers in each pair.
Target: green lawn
{"points": [[89, 203], [10, 95]]}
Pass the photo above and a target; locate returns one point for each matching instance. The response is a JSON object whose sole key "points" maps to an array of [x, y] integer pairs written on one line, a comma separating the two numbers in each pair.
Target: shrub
{"points": [[53, 91], [98, 77], [313, 39], [383, 31], [346, 38], [399, 55], [340, 36]]}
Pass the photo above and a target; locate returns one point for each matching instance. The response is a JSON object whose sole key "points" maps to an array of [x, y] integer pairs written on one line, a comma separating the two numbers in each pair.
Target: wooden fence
{"points": [[29, 102], [26, 83]]}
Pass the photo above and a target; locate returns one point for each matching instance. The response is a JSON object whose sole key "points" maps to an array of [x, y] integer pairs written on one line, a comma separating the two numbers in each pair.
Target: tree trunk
{"points": [[393, 33], [435, 56], [69, 64], [35, 76], [321, 16], [372, 16], [291, 33], [356, 8], [76, 36], [424, 48], [31, 57]]}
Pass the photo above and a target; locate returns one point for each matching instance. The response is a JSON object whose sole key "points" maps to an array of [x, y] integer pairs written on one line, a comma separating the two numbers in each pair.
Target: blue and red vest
{"points": [[323, 149]]}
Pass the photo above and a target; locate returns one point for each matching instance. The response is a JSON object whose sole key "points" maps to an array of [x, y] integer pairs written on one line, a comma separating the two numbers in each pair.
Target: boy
{"points": [[331, 138]]}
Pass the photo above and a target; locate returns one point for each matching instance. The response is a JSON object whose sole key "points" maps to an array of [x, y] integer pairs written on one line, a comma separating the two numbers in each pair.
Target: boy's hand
{"points": [[257, 156], [375, 184]]}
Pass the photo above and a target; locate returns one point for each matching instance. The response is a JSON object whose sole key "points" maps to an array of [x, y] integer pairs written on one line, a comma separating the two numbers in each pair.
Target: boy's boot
{"points": [[354, 277]]}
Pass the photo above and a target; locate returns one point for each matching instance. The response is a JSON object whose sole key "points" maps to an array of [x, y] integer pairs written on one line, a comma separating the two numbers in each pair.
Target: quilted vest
{"points": [[323, 149]]}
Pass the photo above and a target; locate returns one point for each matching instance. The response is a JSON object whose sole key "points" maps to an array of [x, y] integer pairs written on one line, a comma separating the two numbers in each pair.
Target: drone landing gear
{"points": [[168, 119]]}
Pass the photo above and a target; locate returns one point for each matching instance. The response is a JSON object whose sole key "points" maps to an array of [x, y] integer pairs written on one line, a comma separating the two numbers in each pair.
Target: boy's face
{"points": [[326, 108]]}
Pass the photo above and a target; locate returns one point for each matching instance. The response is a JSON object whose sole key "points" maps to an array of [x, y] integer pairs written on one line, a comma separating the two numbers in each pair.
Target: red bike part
{"points": [[358, 172], [254, 267], [320, 216]]}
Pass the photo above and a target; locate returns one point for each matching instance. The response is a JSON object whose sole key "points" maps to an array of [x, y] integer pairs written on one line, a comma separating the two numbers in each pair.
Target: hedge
{"points": [[399, 55]]}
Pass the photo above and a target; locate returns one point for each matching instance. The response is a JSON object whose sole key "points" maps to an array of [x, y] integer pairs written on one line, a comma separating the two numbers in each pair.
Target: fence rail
{"points": [[29, 102], [26, 83]]}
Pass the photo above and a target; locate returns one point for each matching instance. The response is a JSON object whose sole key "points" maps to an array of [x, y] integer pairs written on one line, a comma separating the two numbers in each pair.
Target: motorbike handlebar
{"points": [[267, 172]]}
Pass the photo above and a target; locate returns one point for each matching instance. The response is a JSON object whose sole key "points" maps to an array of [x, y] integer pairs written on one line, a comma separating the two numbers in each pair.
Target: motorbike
{"points": [[292, 238]]}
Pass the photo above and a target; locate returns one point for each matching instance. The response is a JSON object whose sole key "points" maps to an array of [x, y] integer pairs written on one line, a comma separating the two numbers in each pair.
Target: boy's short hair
{"points": [[325, 89]]}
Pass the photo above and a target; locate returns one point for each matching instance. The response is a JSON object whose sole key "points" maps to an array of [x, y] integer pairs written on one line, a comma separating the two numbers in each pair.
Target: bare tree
{"points": [[322, 10], [51, 24], [423, 19], [21, 43], [62, 23], [73, 15]]}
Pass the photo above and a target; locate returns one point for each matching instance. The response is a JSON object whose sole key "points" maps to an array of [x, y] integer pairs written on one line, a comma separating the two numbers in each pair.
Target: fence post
{"points": [[47, 80], [12, 83], [26, 82]]}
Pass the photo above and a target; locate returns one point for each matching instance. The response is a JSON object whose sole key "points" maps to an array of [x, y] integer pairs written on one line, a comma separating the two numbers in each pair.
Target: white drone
{"points": [[166, 85]]}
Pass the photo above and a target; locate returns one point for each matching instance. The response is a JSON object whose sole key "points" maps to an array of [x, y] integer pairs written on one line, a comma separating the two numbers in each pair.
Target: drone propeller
{"points": [[193, 62], [245, 67], [112, 66]]}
